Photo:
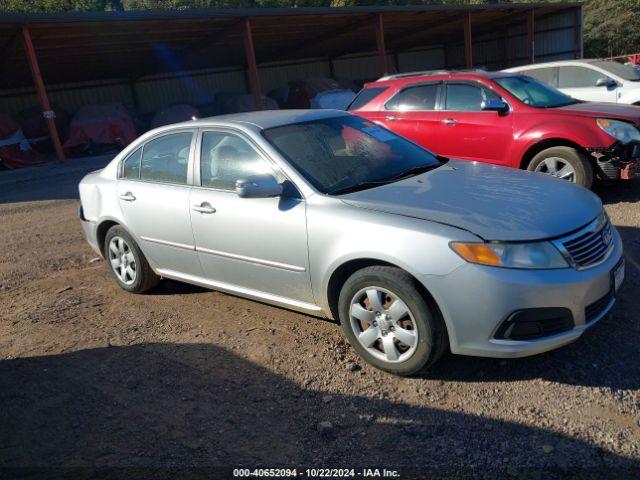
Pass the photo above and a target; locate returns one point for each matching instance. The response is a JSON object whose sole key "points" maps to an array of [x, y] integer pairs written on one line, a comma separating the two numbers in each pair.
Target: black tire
{"points": [[581, 166], [432, 334], [145, 278]]}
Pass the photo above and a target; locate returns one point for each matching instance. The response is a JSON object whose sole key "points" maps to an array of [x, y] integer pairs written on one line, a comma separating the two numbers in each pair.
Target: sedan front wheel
{"points": [[388, 321]]}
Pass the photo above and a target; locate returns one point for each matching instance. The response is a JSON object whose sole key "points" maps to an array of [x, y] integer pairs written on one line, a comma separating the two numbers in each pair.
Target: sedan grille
{"points": [[590, 246]]}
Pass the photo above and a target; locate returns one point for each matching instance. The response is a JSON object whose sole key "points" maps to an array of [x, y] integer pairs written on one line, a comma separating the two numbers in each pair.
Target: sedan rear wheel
{"points": [[127, 264], [122, 260], [389, 322]]}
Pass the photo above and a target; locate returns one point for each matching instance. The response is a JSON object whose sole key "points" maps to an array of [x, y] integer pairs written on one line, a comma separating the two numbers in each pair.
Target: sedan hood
{"points": [[495, 203], [608, 110]]}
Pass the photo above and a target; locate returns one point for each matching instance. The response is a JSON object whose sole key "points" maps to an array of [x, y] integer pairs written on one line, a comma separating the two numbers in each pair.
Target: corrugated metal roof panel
{"points": [[132, 44]]}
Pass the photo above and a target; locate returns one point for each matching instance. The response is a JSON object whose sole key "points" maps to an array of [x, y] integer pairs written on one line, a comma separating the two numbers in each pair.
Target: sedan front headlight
{"points": [[534, 255], [623, 131]]}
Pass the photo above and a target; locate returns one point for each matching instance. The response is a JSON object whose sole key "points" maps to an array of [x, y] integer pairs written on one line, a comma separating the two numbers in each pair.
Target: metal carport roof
{"points": [[79, 46]]}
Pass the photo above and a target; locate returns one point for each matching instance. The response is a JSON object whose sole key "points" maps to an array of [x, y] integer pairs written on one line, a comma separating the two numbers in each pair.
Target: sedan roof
{"points": [[266, 118]]}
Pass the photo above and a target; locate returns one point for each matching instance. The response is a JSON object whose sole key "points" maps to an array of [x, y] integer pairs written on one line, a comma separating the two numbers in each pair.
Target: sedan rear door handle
{"points": [[128, 197], [204, 207], [391, 118], [450, 121]]}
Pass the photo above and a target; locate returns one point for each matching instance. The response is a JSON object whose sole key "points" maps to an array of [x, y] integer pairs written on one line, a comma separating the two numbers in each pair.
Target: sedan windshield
{"points": [[347, 153], [534, 93]]}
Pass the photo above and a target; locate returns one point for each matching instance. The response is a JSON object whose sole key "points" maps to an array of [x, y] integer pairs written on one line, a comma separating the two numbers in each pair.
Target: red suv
{"points": [[507, 119]]}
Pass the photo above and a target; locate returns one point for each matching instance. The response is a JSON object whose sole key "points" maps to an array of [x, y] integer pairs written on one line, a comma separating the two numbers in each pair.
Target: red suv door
{"points": [[411, 112], [468, 132]]}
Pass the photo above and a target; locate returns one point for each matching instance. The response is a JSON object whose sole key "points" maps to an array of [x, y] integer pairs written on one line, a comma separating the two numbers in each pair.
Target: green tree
{"points": [[51, 6], [611, 27]]}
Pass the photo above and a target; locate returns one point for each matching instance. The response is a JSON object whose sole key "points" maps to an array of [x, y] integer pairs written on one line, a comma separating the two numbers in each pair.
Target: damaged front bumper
{"points": [[618, 162], [630, 170]]}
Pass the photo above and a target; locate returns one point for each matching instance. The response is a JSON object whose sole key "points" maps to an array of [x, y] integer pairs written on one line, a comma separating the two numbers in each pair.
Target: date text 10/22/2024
{"points": [[316, 473]]}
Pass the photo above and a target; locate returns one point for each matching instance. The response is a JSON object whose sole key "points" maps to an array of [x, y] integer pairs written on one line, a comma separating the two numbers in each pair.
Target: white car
{"points": [[589, 80]]}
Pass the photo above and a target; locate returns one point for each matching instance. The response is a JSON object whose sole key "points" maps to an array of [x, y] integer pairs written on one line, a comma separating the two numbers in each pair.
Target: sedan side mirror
{"points": [[605, 82], [258, 186], [493, 105]]}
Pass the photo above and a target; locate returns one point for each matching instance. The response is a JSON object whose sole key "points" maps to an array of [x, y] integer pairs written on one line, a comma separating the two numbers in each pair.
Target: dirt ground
{"points": [[184, 377]]}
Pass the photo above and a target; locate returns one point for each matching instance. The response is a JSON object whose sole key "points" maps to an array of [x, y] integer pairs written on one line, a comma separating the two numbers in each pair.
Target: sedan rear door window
{"points": [[166, 159]]}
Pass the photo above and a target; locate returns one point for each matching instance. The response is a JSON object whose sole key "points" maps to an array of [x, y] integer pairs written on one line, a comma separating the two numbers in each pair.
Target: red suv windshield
{"points": [[534, 93]]}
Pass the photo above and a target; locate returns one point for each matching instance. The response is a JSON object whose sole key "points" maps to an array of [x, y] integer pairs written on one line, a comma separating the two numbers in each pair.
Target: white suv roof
{"points": [[596, 63], [558, 63]]}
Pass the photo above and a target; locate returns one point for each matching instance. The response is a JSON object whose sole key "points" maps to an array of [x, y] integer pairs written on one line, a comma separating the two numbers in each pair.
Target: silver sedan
{"points": [[330, 214]]}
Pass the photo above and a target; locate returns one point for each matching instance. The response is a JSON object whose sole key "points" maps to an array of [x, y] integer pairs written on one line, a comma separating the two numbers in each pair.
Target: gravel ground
{"points": [[185, 377]]}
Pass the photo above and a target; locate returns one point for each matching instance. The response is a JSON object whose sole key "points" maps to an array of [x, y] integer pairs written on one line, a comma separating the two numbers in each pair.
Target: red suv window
{"points": [[365, 96], [419, 97], [464, 97]]}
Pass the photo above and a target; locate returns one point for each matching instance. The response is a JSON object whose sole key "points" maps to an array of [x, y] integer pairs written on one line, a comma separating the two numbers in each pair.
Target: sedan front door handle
{"points": [[204, 207], [391, 118], [450, 121], [128, 197]]}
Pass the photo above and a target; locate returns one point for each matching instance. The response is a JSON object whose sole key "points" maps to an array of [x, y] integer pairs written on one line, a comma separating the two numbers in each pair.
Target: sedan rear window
{"points": [[365, 96], [340, 153], [131, 166]]}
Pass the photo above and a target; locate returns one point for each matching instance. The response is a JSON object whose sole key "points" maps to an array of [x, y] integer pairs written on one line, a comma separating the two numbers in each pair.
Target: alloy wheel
{"points": [[557, 167], [383, 324], [122, 260]]}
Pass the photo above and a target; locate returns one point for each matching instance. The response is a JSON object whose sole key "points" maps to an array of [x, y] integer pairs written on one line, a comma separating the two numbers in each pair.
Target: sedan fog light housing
{"points": [[532, 255]]}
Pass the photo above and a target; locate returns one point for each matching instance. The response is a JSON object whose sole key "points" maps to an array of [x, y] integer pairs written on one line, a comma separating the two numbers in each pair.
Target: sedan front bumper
{"points": [[475, 300]]}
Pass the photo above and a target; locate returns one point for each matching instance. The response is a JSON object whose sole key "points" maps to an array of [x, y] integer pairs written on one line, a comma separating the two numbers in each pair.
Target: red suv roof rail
{"points": [[429, 72]]}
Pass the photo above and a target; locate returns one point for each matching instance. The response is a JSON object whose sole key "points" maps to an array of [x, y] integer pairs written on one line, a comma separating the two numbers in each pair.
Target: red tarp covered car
{"points": [[95, 126], [15, 150], [34, 126]]}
